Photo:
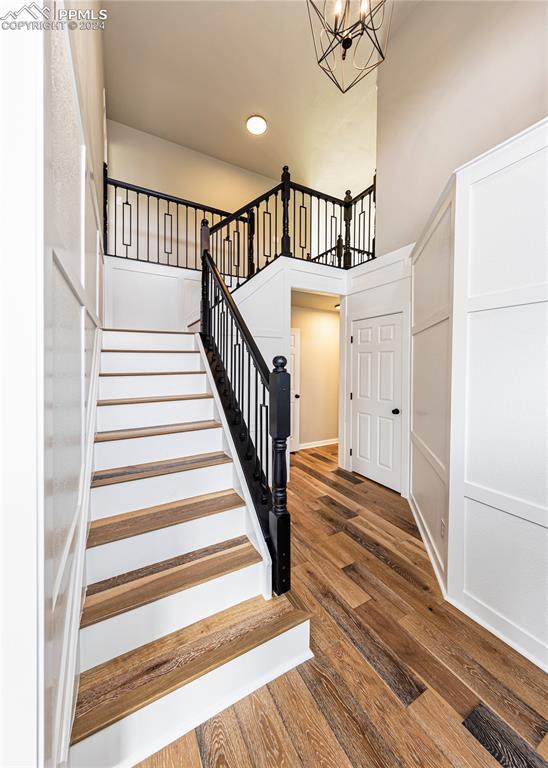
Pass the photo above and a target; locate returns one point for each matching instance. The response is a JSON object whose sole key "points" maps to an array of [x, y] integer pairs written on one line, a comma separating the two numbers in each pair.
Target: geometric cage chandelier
{"points": [[350, 37]]}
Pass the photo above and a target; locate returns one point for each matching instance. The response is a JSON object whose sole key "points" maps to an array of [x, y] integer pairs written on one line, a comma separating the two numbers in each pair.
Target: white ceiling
{"points": [[191, 72]]}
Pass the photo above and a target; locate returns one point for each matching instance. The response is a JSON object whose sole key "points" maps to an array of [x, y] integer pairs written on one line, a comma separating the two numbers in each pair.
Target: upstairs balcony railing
{"points": [[288, 220]]}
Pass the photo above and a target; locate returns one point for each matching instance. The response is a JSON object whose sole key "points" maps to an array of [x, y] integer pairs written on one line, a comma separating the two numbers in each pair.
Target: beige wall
{"points": [[319, 389], [459, 78], [148, 161], [87, 54]]}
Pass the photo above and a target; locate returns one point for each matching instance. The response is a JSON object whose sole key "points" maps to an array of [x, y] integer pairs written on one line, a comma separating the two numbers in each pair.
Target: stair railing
{"points": [[256, 403], [294, 221], [288, 220]]}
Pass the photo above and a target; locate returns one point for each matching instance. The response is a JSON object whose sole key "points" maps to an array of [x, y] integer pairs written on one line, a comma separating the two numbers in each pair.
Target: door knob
{"points": [[297, 397], [395, 411]]}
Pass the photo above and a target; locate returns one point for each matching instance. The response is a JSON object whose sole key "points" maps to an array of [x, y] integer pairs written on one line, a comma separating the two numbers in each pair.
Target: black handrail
{"points": [[257, 406], [245, 209], [162, 196]]}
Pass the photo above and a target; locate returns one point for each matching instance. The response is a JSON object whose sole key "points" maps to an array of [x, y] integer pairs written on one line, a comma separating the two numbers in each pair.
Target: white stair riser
{"points": [[141, 450], [146, 731], [133, 415], [149, 361], [107, 500], [119, 634], [121, 340], [137, 551], [111, 387]]}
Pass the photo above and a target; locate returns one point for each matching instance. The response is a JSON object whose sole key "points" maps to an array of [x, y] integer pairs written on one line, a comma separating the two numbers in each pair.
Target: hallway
{"points": [[399, 678]]}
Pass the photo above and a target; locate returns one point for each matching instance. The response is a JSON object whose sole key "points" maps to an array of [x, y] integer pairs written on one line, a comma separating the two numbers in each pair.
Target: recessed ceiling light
{"points": [[256, 125]]}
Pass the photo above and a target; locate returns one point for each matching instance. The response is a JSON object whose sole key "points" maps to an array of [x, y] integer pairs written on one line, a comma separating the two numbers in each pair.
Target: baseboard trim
{"points": [[529, 647], [426, 540], [317, 444]]}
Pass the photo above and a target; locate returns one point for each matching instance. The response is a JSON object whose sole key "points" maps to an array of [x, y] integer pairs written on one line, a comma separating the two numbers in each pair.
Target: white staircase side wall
{"points": [[253, 527]]}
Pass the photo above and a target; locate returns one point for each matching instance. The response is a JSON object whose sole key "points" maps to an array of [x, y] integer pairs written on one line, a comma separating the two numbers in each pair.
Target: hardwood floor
{"points": [[399, 678]]}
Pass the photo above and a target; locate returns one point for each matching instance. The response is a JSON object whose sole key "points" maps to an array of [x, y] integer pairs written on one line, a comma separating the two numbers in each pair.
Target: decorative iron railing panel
{"points": [[289, 220], [256, 404], [144, 225]]}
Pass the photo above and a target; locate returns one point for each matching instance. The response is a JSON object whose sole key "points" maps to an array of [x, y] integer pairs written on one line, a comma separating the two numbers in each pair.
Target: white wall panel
{"points": [[507, 401], [429, 497], [150, 296], [72, 275], [431, 355], [508, 247], [432, 262], [499, 432], [515, 585], [431, 273]]}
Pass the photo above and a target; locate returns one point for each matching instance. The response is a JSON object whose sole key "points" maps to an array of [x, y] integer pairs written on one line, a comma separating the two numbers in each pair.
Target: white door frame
{"points": [[295, 439], [401, 399], [405, 389]]}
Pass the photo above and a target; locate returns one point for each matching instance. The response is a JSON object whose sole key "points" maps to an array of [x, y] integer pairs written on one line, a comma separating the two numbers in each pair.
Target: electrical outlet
{"points": [[442, 529]]}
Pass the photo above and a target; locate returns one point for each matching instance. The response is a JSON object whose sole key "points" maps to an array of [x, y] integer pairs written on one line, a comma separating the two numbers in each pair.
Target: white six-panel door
{"points": [[376, 399]]}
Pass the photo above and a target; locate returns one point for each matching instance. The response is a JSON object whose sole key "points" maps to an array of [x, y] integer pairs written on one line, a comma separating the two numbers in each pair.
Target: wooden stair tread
{"points": [[123, 685], [157, 399], [156, 468], [158, 351], [127, 591], [161, 429], [143, 330], [152, 373], [116, 527]]}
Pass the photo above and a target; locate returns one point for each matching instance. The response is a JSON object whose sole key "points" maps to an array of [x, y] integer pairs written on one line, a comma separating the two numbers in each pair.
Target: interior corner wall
{"points": [[319, 402], [459, 78], [87, 54], [149, 161]]}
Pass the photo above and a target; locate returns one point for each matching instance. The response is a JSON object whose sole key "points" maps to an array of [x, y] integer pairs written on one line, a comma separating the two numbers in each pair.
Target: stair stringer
{"points": [[253, 527]]}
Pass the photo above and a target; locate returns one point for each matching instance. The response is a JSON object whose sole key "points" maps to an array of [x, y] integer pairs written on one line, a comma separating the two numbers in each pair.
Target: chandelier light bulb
{"points": [[256, 125], [364, 8]]}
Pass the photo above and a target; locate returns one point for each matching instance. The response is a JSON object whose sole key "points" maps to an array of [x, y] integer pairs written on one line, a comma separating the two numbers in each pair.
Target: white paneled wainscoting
{"points": [[479, 422], [498, 502]]}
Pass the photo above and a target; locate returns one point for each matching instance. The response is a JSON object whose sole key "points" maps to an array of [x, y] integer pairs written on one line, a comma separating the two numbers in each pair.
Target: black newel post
{"points": [[205, 307], [279, 520], [250, 243], [286, 196], [347, 260]]}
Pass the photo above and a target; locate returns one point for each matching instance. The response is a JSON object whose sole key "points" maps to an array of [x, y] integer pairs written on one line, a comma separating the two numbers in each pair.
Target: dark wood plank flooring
{"points": [[400, 678]]}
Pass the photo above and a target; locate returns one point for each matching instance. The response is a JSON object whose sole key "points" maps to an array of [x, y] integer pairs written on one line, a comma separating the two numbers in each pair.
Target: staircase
{"points": [[177, 622]]}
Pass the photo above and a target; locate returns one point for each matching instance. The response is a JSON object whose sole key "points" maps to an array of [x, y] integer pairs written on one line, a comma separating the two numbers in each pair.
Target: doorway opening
{"points": [[314, 365]]}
